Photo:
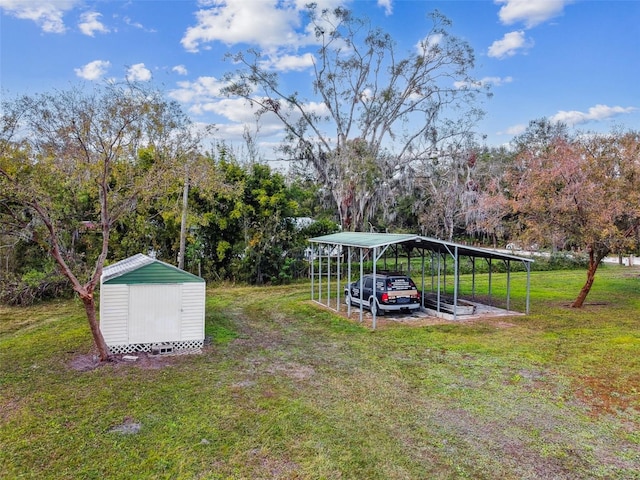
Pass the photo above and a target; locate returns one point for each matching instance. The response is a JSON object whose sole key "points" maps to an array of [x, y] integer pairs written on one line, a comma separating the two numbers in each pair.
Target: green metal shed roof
{"points": [[141, 269]]}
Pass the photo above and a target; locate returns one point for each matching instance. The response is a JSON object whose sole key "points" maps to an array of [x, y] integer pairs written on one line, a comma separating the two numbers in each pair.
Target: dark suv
{"points": [[394, 292]]}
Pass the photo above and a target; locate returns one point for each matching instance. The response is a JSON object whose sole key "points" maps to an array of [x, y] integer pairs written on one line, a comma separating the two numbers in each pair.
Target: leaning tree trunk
{"points": [[89, 303], [594, 261], [86, 291]]}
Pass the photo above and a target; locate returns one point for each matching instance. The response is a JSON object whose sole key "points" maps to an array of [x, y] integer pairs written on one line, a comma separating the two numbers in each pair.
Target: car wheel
{"points": [[374, 308]]}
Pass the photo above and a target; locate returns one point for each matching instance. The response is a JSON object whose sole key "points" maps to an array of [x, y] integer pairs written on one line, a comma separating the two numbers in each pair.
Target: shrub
{"points": [[34, 286]]}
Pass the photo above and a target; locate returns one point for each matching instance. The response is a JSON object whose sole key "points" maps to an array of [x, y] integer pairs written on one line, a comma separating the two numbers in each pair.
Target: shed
{"points": [[151, 306]]}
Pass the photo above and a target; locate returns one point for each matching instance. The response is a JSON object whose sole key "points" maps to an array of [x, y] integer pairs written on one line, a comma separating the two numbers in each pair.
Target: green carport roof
{"points": [[364, 239], [377, 240]]}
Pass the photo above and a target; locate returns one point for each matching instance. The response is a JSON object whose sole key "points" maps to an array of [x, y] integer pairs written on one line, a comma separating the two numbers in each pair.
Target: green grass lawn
{"points": [[289, 390]]}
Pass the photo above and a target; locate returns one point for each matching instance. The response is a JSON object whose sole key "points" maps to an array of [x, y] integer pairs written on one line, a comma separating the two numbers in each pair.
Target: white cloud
{"points": [[133, 23], [286, 63], [497, 81], [427, 43], [180, 70], [234, 109], [138, 73], [269, 24], [266, 23], [93, 70], [202, 90], [530, 12], [510, 44], [514, 129], [231, 115], [45, 13], [387, 5], [598, 112], [90, 24]]}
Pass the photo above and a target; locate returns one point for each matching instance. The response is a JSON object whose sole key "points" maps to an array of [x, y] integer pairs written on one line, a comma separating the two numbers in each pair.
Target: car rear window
{"points": [[400, 283]]}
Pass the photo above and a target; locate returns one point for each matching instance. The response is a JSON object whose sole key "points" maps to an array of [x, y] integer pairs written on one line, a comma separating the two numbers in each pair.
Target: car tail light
{"points": [[385, 297]]}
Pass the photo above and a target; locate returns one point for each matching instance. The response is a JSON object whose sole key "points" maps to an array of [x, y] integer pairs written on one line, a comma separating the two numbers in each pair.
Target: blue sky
{"points": [[575, 61]]}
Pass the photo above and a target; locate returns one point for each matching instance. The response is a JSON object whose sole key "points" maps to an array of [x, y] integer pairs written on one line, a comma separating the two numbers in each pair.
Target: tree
{"points": [[71, 168], [376, 112], [578, 193], [488, 213], [444, 189]]}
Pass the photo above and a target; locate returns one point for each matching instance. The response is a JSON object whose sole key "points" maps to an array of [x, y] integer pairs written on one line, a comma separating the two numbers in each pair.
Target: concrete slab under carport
{"points": [[426, 317]]}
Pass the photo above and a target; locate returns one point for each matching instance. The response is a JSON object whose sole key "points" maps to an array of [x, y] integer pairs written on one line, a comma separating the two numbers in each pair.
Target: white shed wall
{"points": [[193, 300], [114, 313]]}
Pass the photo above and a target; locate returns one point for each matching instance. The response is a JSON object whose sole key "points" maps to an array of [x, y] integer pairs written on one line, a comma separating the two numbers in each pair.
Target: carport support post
{"points": [[361, 283], [395, 251], [439, 258], [422, 290], [349, 281], [489, 262], [319, 275], [508, 284], [456, 276], [473, 277], [339, 272], [444, 274], [374, 311], [313, 259], [528, 267], [329, 277], [431, 262]]}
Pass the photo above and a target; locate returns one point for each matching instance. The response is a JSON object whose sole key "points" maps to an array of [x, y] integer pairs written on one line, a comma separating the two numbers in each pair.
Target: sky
{"points": [[575, 61]]}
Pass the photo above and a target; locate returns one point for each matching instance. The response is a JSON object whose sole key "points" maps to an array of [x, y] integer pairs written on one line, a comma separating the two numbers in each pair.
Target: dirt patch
{"points": [[601, 397], [142, 360], [9, 407], [85, 363], [294, 371], [128, 427]]}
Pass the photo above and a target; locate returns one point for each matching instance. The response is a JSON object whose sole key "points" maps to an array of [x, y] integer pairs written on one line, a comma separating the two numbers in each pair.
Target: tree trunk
{"points": [[90, 307], [594, 261], [183, 222]]}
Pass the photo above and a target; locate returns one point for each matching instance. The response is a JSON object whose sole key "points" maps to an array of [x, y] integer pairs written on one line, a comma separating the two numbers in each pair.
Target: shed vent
{"points": [[161, 348]]}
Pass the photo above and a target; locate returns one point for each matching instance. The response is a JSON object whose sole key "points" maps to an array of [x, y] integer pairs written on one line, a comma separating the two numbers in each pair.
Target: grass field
{"points": [[288, 390]]}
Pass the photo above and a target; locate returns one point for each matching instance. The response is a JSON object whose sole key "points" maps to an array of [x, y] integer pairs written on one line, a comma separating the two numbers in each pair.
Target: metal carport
{"points": [[328, 251]]}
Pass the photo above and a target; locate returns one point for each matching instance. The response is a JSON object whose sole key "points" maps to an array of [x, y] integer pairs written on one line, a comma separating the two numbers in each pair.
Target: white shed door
{"points": [[154, 313]]}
